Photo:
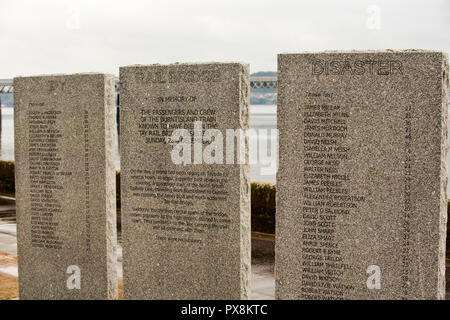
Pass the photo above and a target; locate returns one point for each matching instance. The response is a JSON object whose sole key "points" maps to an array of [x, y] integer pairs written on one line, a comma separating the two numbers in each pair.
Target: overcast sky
{"points": [[44, 36]]}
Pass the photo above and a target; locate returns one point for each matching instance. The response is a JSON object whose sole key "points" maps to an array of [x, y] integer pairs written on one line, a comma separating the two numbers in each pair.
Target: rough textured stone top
{"points": [[65, 186], [361, 187]]}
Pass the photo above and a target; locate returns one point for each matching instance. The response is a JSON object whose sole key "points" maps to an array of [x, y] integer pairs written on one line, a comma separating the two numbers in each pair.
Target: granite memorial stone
{"points": [[186, 226], [65, 186], [361, 186]]}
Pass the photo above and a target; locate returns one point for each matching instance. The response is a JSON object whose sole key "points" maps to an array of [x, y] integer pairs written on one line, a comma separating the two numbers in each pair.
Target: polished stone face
{"points": [[186, 227], [361, 186], [65, 186]]}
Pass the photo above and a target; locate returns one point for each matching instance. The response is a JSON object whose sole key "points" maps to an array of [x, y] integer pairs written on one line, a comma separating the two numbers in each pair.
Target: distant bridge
{"points": [[263, 82], [6, 85]]}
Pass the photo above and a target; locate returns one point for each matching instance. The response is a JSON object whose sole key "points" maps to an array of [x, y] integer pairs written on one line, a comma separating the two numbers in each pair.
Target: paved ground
{"points": [[8, 250], [8, 226]]}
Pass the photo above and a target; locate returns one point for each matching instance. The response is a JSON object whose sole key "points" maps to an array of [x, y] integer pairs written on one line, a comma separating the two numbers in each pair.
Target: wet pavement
{"points": [[8, 243]]}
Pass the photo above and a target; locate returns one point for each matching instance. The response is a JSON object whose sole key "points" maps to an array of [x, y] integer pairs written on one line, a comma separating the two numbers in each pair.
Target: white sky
{"points": [[59, 36]]}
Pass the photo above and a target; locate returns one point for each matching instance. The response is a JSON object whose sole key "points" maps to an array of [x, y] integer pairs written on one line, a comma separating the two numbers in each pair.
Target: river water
{"points": [[262, 118]]}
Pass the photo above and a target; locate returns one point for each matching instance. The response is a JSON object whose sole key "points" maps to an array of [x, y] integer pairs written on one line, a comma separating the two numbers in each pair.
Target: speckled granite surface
{"points": [[186, 228], [65, 186], [361, 187]]}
